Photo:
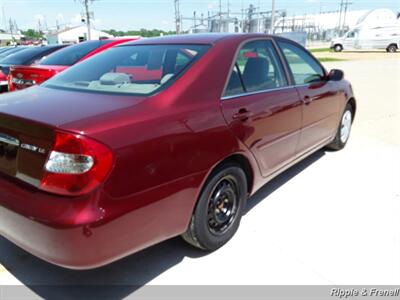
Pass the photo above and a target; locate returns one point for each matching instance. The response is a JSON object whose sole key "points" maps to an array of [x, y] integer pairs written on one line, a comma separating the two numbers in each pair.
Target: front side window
{"points": [[351, 35], [257, 68], [131, 69], [303, 66]]}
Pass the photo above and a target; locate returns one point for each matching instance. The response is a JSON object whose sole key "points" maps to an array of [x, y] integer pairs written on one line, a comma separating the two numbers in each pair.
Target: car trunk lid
{"points": [[24, 146], [57, 107], [25, 76], [30, 118]]}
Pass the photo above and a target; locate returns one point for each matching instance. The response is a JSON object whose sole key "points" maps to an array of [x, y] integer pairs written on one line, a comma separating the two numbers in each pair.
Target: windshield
{"points": [[72, 54], [133, 69]]}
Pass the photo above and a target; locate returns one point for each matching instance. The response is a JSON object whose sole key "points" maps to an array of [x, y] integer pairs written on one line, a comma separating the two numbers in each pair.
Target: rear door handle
{"points": [[242, 115]]}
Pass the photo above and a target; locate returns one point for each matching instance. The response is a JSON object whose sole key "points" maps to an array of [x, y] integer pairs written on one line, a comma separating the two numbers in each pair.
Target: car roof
{"points": [[206, 38]]}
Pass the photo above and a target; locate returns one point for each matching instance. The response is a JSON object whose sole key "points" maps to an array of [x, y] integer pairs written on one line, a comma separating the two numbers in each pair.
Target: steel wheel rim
{"points": [[345, 127], [223, 205]]}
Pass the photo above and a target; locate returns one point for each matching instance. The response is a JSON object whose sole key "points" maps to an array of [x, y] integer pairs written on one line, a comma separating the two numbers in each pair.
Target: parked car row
{"points": [[22, 67], [157, 138], [23, 56]]}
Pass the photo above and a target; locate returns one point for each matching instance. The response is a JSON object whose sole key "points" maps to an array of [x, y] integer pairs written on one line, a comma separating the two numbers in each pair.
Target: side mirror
{"points": [[336, 75]]}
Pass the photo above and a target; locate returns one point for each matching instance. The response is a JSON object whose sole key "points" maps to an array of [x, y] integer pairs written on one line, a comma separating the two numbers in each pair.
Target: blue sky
{"points": [[136, 14]]}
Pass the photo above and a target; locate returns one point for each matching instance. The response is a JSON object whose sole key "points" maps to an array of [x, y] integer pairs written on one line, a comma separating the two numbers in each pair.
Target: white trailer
{"points": [[387, 37]]}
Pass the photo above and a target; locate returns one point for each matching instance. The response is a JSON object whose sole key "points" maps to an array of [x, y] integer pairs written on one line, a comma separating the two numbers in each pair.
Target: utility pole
{"points": [[347, 4], [4, 18], [88, 19], [340, 16], [11, 29], [273, 17], [220, 15], [86, 4], [177, 17], [40, 26]]}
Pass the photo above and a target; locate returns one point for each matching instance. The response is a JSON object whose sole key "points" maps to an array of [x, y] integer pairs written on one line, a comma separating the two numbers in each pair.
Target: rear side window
{"points": [[303, 66], [257, 68], [133, 69], [72, 54]]}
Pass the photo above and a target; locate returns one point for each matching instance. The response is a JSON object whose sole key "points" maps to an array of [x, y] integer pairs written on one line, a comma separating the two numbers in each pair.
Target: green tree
{"points": [[32, 34]]}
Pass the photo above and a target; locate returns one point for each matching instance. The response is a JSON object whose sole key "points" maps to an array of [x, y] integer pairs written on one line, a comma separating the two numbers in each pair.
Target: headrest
{"points": [[115, 78]]}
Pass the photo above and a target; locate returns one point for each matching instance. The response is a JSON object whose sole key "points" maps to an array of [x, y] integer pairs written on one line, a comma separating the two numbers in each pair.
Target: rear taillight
{"points": [[76, 165]]}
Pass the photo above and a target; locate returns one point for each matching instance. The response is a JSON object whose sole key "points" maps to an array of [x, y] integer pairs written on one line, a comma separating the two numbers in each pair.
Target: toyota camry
{"points": [[159, 138]]}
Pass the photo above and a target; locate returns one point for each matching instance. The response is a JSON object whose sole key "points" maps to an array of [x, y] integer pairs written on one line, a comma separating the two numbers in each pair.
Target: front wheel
{"points": [[219, 209], [344, 129]]}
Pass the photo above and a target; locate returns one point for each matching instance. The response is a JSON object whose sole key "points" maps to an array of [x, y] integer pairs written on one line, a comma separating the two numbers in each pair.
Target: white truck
{"points": [[387, 37]]}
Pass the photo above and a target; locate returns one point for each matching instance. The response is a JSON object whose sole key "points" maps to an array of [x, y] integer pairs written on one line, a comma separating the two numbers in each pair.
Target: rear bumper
{"points": [[73, 234], [64, 247], [78, 248]]}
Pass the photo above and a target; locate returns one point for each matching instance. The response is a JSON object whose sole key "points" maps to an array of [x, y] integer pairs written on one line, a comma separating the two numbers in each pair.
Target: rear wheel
{"points": [[338, 48], [391, 49], [344, 129], [219, 209]]}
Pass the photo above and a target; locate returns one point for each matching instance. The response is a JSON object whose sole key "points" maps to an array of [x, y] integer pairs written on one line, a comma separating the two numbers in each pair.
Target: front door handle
{"points": [[307, 100], [242, 115]]}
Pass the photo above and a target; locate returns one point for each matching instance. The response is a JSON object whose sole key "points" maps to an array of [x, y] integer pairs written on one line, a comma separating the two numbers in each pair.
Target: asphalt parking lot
{"points": [[332, 219]]}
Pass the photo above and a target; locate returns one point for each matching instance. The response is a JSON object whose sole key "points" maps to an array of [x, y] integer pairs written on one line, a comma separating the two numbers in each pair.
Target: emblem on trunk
{"points": [[33, 148]]}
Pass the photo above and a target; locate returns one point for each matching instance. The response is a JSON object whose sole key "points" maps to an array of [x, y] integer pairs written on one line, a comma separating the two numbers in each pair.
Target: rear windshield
{"points": [[133, 69], [4, 49], [71, 55], [27, 55], [10, 51]]}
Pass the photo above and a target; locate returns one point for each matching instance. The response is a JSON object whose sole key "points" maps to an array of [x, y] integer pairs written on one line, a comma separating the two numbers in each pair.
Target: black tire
{"points": [[339, 143], [205, 231], [392, 49], [338, 48]]}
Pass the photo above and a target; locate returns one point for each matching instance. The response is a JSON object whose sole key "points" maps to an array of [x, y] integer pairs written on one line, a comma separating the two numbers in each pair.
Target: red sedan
{"points": [[160, 138], [21, 77]]}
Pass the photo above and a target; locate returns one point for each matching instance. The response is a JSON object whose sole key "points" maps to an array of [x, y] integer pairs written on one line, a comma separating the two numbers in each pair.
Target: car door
{"points": [[349, 42], [260, 107], [320, 97]]}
